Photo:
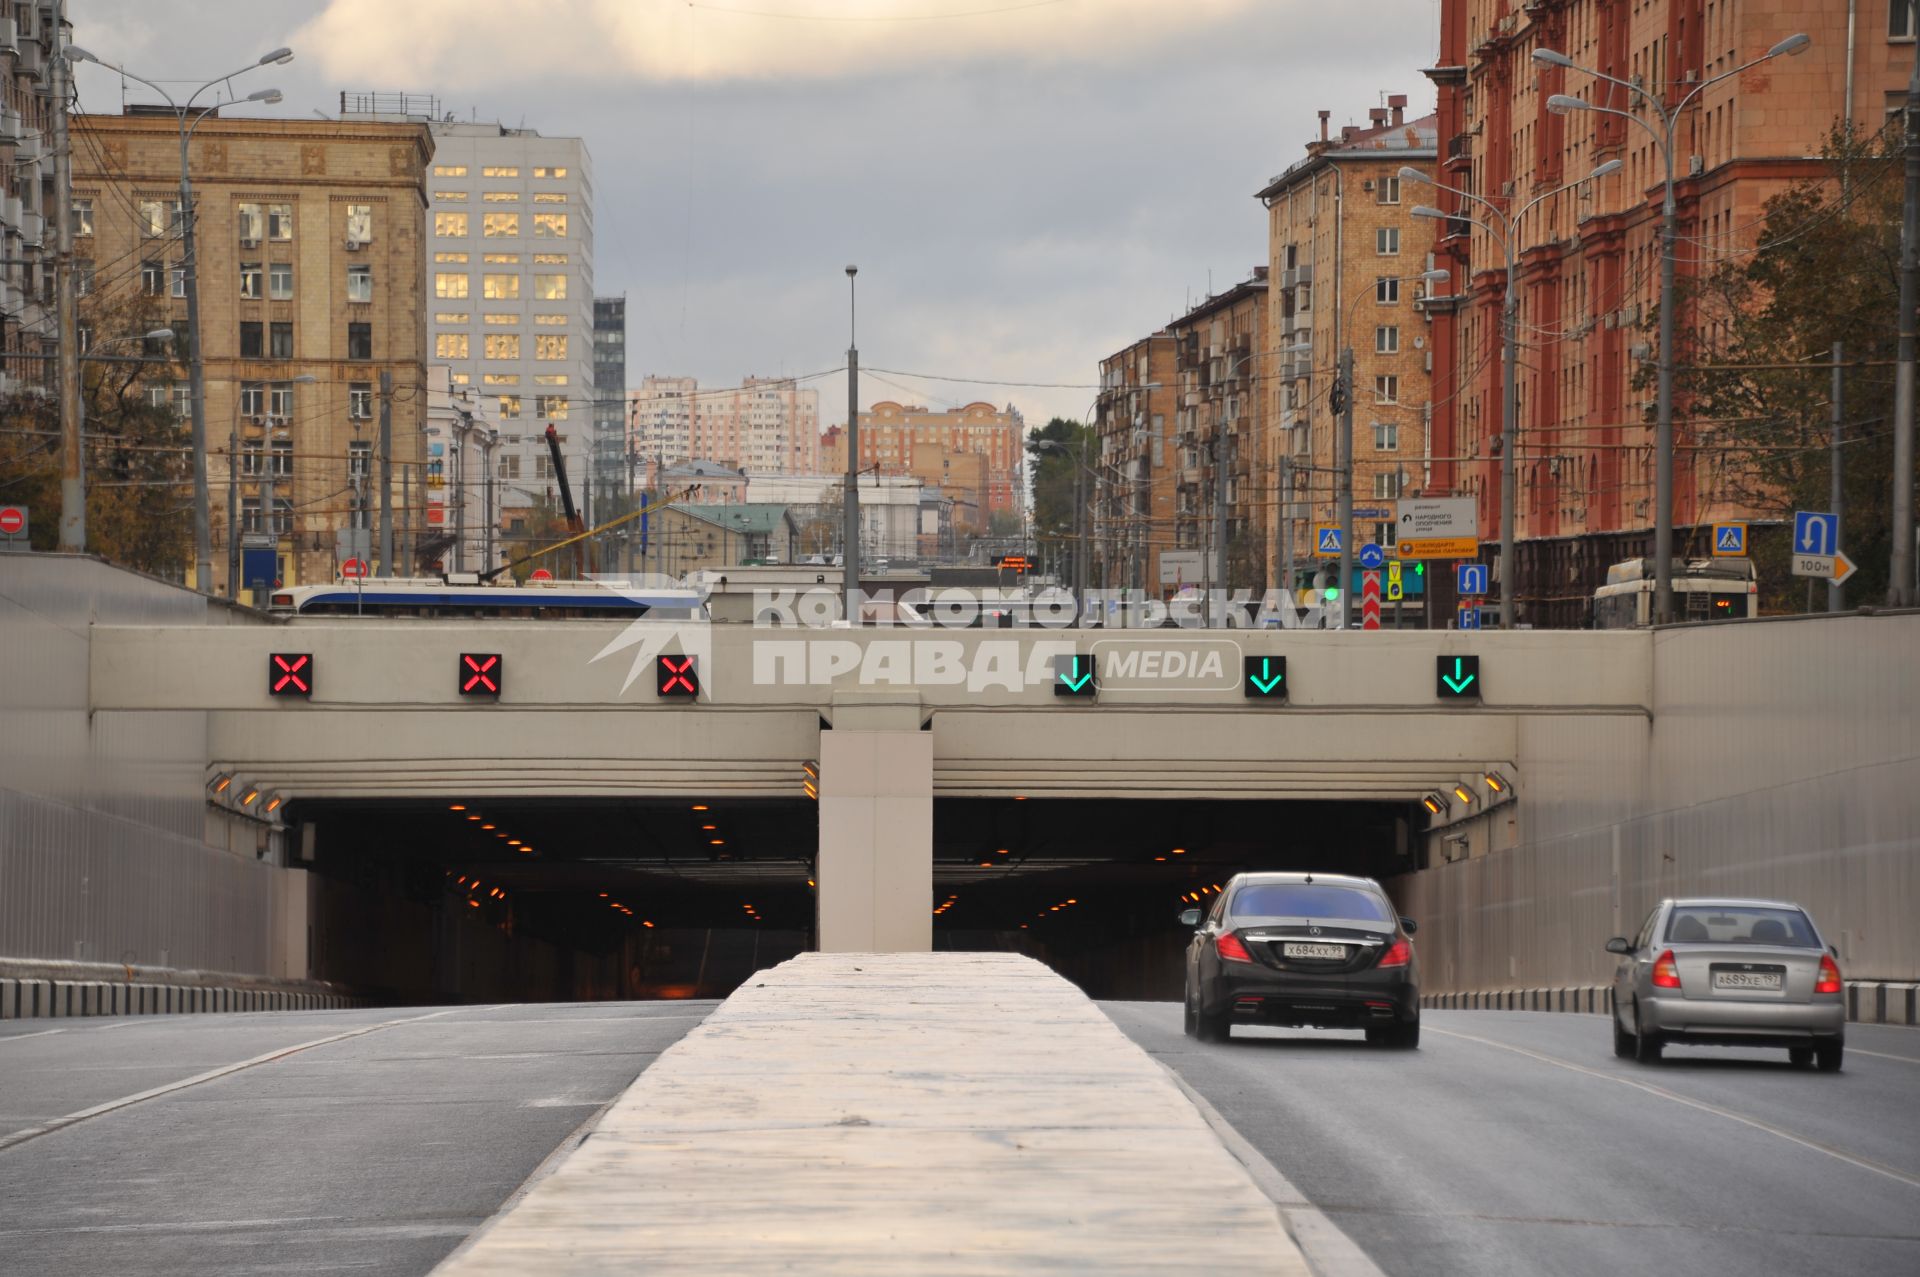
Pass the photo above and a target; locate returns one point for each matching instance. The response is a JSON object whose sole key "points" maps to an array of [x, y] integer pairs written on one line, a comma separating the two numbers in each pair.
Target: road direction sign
{"points": [[1369, 600], [13, 521], [1264, 678], [1815, 533], [1439, 517], [1815, 565], [1073, 675], [1470, 578], [1326, 539], [1372, 556], [1843, 567], [1439, 548], [1180, 567], [1468, 617], [1730, 540], [354, 569], [1395, 588], [1457, 678]]}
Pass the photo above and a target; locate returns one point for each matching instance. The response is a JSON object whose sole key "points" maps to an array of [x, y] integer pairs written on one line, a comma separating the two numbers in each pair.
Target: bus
{"points": [[430, 597], [1703, 590]]}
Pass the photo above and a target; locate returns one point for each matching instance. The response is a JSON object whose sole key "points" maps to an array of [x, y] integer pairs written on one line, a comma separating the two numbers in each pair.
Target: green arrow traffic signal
{"points": [[1073, 676], [1264, 677], [1457, 678]]}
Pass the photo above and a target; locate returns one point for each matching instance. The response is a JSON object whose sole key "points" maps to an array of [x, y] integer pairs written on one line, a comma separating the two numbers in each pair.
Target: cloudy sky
{"points": [[1026, 185]]}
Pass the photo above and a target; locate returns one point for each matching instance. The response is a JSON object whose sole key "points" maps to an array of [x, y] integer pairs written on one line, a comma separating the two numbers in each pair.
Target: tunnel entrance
{"points": [[1093, 887], [531, 899]]}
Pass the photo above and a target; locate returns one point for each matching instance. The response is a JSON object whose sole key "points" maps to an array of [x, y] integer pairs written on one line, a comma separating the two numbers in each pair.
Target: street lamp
{"points": [[267, 521], [1663, 136], [202, 532], [1506, 235]]}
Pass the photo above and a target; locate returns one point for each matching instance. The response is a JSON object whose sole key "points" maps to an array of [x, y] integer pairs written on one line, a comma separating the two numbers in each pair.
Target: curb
{"points": [[1868, 1001], [46, 999]]}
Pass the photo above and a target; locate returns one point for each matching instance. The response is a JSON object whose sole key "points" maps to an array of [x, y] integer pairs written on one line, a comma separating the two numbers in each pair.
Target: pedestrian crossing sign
{"points": [[1326, 538], [1730, 540]]}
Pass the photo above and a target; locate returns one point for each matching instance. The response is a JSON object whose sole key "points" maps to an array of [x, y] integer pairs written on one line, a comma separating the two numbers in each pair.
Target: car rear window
{"points": [[1309, 900], [1740, 924]]}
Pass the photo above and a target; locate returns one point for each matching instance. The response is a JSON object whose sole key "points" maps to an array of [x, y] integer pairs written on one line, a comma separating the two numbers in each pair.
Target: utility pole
{"points": [[196, 377], [1081, 550], [1344, 477], [1510, 437], [233, 507], [1217, 615], [1900, 574], [386, 472], [73, 474], [1836, 591], [850, 550]]}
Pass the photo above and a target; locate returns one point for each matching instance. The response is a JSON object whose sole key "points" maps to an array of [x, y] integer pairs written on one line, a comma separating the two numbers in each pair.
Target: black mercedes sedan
{"points": [[1324, 951]]}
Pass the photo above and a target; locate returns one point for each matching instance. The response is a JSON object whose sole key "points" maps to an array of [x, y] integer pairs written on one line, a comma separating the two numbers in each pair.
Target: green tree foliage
{"points": [[1054, 452], [1754, 374]]}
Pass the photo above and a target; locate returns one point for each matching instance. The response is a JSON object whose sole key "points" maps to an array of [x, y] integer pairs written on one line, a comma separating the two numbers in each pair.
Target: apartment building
{"points": [[610, 469], [1588, 284], [310, 237], [1135, 420], [766, 425], [27, 245], [510, 282], [1344, 251], [895, 438]]}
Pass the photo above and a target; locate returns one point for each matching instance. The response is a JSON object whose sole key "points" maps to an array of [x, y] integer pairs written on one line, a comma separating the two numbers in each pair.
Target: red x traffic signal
{"points": [[290, 674], [675, 676], [480, 673]]}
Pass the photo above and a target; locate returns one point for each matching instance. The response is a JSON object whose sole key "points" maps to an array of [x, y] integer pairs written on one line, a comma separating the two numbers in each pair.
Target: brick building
{"points": [[309, 235], [1589, 259], [1134, 420], [892, 435], [26, 233], [1344, 247]]}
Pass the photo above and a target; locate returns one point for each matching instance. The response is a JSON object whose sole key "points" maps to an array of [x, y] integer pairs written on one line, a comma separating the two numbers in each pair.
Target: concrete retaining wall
{"points": [[25, 999], [1868, 1002]]}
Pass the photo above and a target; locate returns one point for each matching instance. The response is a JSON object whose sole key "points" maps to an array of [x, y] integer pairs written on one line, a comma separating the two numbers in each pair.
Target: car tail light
{"points": [[1398, 954], [1665, 974], [1228, 946], [1829, 981]]}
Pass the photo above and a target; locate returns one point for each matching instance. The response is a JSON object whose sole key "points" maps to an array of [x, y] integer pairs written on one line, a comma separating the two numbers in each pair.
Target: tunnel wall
{"points": [[1781, 759], [109, 854]]}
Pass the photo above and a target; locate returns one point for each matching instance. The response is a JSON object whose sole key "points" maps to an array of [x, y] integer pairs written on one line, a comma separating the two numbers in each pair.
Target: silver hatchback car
{"points": [[1714, 972]]}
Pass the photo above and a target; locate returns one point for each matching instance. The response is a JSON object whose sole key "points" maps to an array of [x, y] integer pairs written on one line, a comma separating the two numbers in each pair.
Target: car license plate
{"points": [[1746, 980], [1332, 952]]}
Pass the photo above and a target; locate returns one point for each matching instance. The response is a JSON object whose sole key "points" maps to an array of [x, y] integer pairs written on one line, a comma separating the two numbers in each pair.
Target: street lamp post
{"points": [[202, 530], [1664, 139], [1506, 235], [850, 550]]}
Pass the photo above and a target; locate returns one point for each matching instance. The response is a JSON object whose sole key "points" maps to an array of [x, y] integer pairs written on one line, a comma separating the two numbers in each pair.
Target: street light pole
{"points": [[1900, 585], [196, 365], [73, 471], [850, 549], [1664, 137]]}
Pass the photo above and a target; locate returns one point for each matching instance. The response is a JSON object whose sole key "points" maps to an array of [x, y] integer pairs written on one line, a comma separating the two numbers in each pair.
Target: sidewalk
{"points": [[896, 1114]]}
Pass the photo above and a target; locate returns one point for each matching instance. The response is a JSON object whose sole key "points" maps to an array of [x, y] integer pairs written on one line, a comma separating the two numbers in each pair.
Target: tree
{"points": [[1753, 372], [1055, 453]]}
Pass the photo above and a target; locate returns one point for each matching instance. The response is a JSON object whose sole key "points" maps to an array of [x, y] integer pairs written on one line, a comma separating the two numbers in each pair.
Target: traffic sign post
{"points": [[1835, 567], [354, 569], [1471, 578], [1372, 556], [1468, 617], [1729, 540], [1370, 600], [14, 525], [481, 674], [1326, 540], [1815, 533], [1457, 678]]}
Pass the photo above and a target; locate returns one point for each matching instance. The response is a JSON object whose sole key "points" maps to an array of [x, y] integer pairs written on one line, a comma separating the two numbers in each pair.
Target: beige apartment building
{"points": [[27, 232], [1344, 248], [1135, 421], [309, 240], [766, 425], [895, 439]]}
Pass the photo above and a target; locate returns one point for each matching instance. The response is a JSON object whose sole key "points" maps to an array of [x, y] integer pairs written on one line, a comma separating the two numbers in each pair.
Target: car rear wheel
{"points": [[1399, 1037], [1827, 1057], [1800, 1056], [1622, 1040], [1210, 1026], [1646, 1046], [1189, 1022]]}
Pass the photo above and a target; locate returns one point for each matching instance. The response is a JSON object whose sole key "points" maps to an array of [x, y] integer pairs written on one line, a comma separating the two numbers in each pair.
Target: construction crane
{"points": [[575, 524]]}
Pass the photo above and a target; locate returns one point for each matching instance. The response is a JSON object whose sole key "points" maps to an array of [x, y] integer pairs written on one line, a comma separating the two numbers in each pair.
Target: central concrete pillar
{"points": [[876, 827]]}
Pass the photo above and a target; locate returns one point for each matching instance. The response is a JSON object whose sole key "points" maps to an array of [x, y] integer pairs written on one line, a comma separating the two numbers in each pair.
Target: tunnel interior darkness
{"points": [[541, 899]]}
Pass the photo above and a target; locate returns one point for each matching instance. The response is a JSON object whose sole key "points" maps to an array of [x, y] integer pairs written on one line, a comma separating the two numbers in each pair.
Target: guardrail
{"points": [[1868, 1001]]}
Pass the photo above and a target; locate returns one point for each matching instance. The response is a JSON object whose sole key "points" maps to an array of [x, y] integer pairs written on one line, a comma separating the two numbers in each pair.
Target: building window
{"points": [[492, 171], [549, 321], [1386, 485], [1386, 339], [177, 281], [549, 259], [550, 379], [502, 345], [500, 225], [1386, 291], [509, 407], [253, 399], [1387, 190], [1899, 19], [280, 340], [509, 465], [82, 276], [1386, 390], [549, 172], [460, 378], [359, 283], [500, 197], [280, 221], [549, 197], [450, 197], [246, 219], [550, 288], [500, 379], [449, 170], [450, 346], [359, 224], [497, 318], [446, 284], [500, 287], [159, 217], [550, 346], [250, 280], [83, 217], [500, 259], [450, 225], [1386, 241], [549, 225], [452, 316], [360, 401], [253, 339], [1386, 436], [542, 466], [452, 259], [280, 400], [359, 341], [551, 407], [280, 281]]}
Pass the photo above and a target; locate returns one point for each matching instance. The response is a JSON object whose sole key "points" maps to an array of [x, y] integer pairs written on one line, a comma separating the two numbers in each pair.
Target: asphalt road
{"points": [[1515, 1142], [374, 1152]]}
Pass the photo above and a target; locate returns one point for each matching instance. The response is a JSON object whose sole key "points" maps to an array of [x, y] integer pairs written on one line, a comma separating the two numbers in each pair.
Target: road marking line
{"points": [[1881, 1055], [1865, 1164], [126, 1101], [16, 1037], [1328, 1251]]}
